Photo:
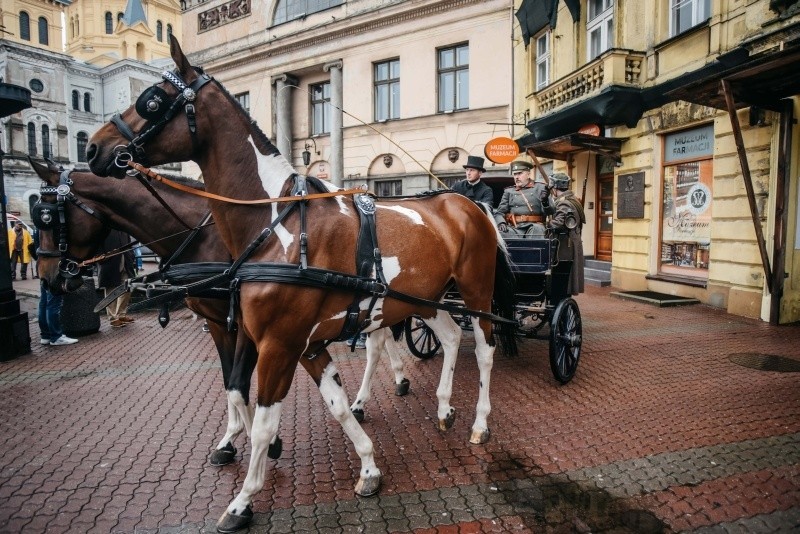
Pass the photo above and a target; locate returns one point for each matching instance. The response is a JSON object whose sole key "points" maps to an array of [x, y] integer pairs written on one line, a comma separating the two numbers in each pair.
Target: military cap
{"points": [[560, 181], [520, 165]]}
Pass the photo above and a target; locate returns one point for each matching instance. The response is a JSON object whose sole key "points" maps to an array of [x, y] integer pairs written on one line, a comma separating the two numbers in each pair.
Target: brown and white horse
{"points": [[426, 245]]}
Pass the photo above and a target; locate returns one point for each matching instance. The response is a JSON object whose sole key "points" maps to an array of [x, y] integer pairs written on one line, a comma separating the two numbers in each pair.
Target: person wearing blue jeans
{"points": [[50, 319]]}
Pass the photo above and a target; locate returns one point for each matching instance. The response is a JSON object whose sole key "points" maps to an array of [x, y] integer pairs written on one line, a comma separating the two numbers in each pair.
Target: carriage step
{"points": [[597, 273]]}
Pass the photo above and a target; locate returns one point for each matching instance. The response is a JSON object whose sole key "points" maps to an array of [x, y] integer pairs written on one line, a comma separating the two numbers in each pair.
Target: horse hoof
{"points": [[224, 456], [367, 487], [402, 388], [447, 422], [275, 449], [358, 413], [233, 522], [480, 437]]}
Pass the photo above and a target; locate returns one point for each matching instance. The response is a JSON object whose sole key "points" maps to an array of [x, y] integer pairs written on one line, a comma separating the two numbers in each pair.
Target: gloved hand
{"points": [[544, 196], [503, 227]]}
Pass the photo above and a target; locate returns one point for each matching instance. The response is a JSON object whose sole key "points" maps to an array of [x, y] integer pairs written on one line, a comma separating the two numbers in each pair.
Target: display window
{"points": [[686, 203]]}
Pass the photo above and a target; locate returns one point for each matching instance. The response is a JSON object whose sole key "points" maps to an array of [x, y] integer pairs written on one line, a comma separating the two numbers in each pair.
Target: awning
{"points": [[563, 147], [533, 15], [762, 81], [13, 99]]}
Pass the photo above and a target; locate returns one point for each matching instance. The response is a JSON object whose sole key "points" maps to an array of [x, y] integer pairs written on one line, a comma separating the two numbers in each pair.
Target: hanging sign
{"points": [[501, 150]]}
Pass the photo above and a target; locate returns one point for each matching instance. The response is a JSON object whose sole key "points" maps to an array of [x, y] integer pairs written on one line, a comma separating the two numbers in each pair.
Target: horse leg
{"points": [[484, 353], [401, 383], [375, 343], [449, 334], [275, 375]]}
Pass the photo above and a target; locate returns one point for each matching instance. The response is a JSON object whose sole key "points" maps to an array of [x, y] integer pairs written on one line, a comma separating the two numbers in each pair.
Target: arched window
{"points": [[119, 16], [31, 139], [44, 37], [24, 26], [159, 31], [76, 100], [169, 31], [83, 139], [45, 140], [77, 26], [109, 23], [72, 27], [87, 102]]}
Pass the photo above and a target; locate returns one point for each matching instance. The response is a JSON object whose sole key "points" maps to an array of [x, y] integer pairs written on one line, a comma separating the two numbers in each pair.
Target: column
{"points": [[282, 110], [337, 104]]}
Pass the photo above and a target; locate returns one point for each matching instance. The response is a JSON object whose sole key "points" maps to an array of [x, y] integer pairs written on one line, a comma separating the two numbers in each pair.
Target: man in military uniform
{"points": [[566, 222], [472, 187], [520, 210]]}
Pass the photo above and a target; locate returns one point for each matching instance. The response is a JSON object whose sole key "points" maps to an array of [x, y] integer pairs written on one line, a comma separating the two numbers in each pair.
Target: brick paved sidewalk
{"points": [[659, 431]]}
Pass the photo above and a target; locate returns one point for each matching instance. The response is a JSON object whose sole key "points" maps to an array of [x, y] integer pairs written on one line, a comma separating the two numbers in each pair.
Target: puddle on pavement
{"points": [[554, 504]]}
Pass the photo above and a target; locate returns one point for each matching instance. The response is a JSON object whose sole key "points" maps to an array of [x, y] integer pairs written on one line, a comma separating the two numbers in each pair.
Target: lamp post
{"points": [[15, 337]]}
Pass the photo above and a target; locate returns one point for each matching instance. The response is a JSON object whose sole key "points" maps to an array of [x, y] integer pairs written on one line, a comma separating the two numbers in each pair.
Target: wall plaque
{"points": [[630, 196], [222, 14]]}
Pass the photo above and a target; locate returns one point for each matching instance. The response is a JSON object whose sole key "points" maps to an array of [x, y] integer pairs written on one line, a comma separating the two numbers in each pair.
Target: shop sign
{"points": [[589, 129], [501, 150], [689, 144]]}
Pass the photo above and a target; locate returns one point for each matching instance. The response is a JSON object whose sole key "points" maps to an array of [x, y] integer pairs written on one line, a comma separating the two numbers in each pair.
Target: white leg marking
{"points": [[335, 399], [484, 353], [375, 343], [235, 420], [449, 334], [265, 427]]}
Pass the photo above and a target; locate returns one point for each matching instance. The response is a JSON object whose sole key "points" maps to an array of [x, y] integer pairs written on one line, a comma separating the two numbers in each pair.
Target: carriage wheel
{"points": [[421, 340], [566, 336]]}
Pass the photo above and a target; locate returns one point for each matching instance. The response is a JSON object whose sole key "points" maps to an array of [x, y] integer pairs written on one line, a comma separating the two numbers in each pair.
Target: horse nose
{"points": [[91, 152]]}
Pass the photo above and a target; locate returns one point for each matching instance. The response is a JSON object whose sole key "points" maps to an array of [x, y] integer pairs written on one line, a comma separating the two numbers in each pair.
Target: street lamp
{"points": [[307, 154], [15, 337]]}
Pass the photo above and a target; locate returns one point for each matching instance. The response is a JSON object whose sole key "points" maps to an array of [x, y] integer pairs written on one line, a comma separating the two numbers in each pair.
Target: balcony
{"points": [[616, 66]]}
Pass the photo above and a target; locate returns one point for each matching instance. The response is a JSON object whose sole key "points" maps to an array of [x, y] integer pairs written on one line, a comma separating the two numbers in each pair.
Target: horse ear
{"points": [[177, 56], [44, 172]]}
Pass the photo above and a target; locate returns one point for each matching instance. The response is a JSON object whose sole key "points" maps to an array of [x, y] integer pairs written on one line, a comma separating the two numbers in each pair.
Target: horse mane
{"points": [[259, 135], [183, 180]]}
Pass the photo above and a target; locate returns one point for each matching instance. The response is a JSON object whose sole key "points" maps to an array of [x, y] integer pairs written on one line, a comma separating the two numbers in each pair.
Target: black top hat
{"points": [[475, 162]]}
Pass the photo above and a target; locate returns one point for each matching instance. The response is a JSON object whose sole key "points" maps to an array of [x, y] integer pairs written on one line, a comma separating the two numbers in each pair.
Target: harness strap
{"points": [[154, 175], [147, 185]]}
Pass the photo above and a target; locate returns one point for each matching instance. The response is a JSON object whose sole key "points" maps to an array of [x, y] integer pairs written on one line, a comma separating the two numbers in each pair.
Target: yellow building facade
{"points": [[676, 120], [32, 22]]}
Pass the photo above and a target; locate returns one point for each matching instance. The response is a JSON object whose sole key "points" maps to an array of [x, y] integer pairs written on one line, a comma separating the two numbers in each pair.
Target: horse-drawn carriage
{"points": [[542, 300]]}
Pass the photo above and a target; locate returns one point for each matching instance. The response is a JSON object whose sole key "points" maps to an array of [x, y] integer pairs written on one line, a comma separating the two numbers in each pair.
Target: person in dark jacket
{"points": [[113, 271], [520, 210], [472, 187], [567, 223]]}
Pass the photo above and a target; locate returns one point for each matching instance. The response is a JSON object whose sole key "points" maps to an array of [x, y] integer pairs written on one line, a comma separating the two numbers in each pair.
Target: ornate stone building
{"points": [[383, 93], [74, 92], [680, 118]]}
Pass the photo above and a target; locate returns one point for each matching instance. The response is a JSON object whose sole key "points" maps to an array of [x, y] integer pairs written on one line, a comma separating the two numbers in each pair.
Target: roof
{"points": [[134, 12]]}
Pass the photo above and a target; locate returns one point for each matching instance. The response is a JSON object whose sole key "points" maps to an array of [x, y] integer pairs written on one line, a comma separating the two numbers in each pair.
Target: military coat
{"points": [[525, 202]]}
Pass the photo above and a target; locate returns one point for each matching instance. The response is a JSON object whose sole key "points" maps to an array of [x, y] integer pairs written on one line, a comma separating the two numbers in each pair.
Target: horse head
{"points": [[150, 132], [67, 233]]}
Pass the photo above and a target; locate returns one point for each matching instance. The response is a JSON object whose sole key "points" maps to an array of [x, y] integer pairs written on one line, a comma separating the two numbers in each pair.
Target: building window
{"points": [[244, 100], [24, 26], [44, 36], [169, 31], [686, 14], [31, 139], [76, 100], [87, 102], [387, 90], [454, 78], [320, 108], [45, 141], [109, 23], [159, 31], [287, 10], [543, 60], [686, 202], [600, 27], [389, 188], [36, 85], [83, 139]]}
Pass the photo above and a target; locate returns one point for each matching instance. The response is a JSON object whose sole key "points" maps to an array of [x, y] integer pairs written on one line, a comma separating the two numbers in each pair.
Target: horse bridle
{"points": [[158, 108], [53, 216]]}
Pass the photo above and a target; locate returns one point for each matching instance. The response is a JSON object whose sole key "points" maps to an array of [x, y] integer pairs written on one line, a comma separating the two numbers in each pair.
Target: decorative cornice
{"points": [[315, 37], [337, 64]]}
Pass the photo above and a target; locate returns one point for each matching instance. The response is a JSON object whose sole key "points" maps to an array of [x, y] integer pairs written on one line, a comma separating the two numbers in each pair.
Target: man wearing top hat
{"points": [[472, 187], [520, 210]]}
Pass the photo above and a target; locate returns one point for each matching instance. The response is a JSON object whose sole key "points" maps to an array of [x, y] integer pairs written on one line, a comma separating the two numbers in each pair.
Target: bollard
{"points": [[77, 313]]}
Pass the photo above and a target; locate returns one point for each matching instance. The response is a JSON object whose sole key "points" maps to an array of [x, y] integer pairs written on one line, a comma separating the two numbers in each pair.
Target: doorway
{"points": [[605, 217]]}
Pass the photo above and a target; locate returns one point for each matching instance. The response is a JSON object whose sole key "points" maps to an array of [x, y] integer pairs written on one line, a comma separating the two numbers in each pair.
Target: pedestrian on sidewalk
{"points": [[113, 271], [18, 241], [50, 329]]}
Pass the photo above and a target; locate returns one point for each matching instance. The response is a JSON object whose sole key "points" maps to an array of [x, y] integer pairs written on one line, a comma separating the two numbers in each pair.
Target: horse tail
{"points": [[504, 301]]}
